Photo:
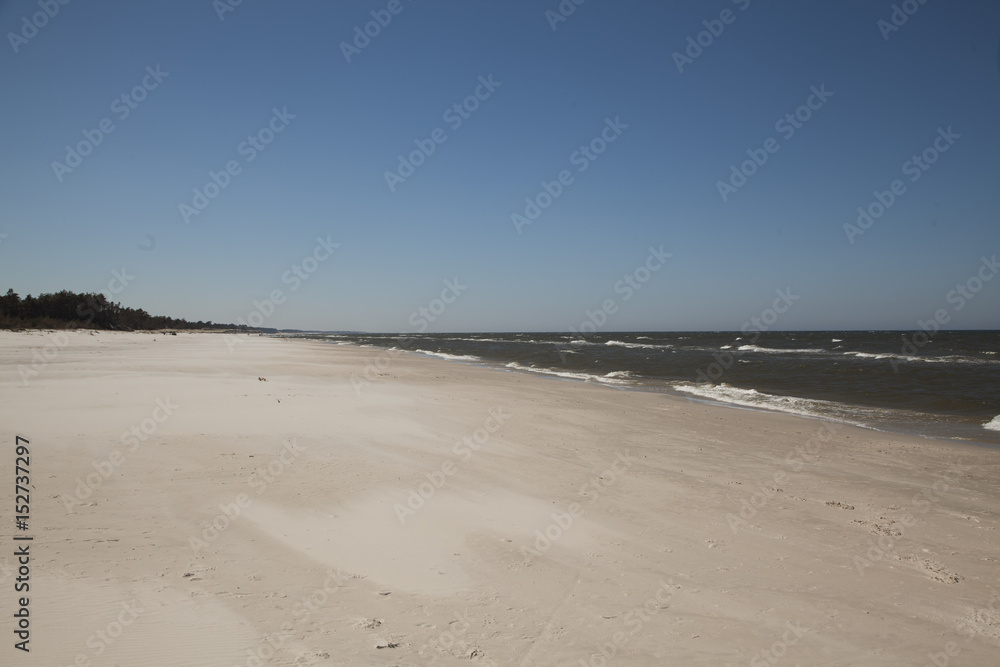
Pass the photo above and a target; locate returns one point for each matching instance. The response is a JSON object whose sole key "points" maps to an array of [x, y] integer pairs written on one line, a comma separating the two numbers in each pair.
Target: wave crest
{"points": [[614, 377], [620, 343], [450, 357], [776, 350]]}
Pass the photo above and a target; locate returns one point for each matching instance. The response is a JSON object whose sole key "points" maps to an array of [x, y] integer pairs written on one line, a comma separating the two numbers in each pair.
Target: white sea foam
{"points": [[500, 340], [611, 378], [619, 343], [751, 398], [729, 394], [450, 357], [774, 350], [993, 424], [870, 355], [927, 359], [954, 358]]}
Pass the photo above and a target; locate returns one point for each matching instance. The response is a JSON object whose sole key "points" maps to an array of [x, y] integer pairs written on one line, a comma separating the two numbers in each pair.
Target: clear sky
{"points": [[203, 84]]}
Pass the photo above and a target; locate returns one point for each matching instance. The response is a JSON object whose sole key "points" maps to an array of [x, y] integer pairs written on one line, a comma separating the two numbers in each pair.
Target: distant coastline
{"points": [[89, 310]]}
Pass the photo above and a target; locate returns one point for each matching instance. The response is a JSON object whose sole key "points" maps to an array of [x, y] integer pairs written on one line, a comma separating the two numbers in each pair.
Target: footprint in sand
{"points": [[932, 569], [839, 504]]}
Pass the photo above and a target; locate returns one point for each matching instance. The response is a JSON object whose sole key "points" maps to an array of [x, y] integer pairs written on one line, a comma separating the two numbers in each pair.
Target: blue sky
{"points": [[552, 91]]}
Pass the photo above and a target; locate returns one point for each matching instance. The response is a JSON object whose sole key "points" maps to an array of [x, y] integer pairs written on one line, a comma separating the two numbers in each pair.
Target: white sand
{"points": [[876, 550]]}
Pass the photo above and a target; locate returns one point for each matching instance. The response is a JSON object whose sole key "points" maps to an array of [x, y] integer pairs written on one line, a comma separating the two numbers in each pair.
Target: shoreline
{"points": [[449, 513], [907, 429]]}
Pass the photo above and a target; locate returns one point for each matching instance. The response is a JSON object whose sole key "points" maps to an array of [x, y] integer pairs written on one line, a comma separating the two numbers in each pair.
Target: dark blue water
{"points": [[943, 386]]}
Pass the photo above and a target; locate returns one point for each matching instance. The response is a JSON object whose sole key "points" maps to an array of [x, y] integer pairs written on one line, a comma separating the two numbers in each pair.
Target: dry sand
{"points": [[678, 533]]}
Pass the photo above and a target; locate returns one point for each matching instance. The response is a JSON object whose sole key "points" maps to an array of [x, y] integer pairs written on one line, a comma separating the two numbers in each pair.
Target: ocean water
{"points": [[945, 385]]}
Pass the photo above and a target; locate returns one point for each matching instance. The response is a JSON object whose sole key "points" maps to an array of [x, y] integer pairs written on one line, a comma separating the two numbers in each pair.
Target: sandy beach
{"points": [[367, 508]]}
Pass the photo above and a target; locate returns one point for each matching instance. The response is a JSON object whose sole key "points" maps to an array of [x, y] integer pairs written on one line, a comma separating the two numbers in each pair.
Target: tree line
{"points": [[67, 310]]}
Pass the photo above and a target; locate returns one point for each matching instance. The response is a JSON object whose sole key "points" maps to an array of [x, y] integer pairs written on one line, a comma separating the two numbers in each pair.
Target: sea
{"points": [[941, 385]]}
